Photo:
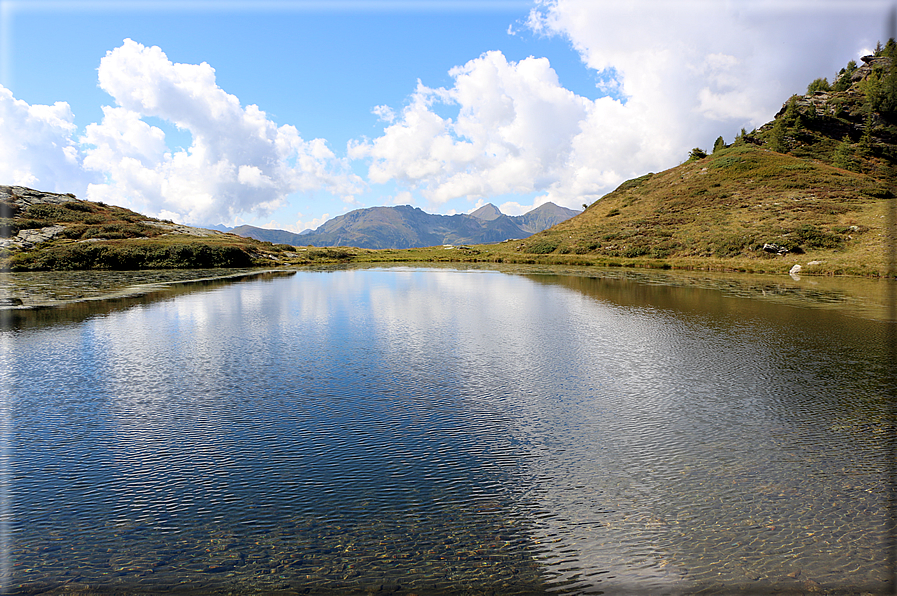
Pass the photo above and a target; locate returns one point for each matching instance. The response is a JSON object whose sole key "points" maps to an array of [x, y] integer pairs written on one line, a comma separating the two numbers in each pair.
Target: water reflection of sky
{"points": [[639, 436]]}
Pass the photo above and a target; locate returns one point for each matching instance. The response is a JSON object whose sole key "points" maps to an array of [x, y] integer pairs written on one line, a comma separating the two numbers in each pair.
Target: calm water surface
{"points": [[441, 432]]}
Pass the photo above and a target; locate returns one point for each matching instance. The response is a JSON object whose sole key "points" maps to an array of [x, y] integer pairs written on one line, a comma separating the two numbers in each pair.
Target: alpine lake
{"points": [[446, 430]]}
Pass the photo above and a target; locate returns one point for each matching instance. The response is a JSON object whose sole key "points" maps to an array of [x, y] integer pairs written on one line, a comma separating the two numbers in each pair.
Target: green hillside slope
{"points": [[813, 187], [49, 231]]}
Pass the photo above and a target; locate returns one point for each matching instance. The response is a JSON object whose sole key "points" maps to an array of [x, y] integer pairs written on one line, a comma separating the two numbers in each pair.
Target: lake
{"points": [[406, 430]]}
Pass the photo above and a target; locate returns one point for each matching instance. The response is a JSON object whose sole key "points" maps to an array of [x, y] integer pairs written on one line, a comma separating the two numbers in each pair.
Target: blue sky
{"points": [[443, 105]]}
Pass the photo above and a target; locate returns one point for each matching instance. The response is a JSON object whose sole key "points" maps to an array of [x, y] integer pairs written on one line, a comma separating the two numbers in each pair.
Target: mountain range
{"points": [[410, 227]]}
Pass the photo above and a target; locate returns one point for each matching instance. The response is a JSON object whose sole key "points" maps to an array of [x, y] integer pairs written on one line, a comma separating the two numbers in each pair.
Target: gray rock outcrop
{"points": [[775, 248], [26, 239], [14, 199], [22, 197]]}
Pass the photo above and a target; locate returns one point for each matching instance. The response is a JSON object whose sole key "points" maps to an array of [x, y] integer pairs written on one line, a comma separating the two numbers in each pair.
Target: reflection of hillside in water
{"points": [[862, 297], [745, 441], [54, 297]]}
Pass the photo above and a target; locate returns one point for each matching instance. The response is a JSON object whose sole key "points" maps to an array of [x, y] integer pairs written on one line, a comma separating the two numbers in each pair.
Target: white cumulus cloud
{"points": [[38, 149], [239, 161], [693, 70], [676, 74], [513, 134], [310, 224]]}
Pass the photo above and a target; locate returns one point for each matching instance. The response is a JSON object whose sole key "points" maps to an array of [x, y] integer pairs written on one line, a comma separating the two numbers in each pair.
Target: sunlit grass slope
{"points": [[720, 211]]}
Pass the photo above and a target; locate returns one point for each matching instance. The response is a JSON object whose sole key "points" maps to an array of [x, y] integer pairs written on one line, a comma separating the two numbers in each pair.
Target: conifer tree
{"points": [[818, 85], [777, 141], [887, 100], [844, 155], [791, 117], [697, 153], [843, 82], [719, 144], [890, 49]]}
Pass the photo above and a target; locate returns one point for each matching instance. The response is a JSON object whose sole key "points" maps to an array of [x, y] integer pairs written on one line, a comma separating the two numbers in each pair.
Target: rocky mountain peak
{"points": [[487, 212]]}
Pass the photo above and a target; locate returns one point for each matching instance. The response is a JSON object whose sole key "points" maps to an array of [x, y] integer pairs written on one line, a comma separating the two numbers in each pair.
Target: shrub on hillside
{"points": [[731, 245], [131, 256], [543, 247], [818, 85], [696, 154], [78, 206], [809, 236]]}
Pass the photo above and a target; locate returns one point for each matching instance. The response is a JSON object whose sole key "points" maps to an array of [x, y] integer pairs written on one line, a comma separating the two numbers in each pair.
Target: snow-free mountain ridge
{"points": [[410, 227]]}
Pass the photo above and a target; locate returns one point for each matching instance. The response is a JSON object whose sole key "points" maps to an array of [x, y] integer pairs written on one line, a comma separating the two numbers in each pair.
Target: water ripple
{"points": [[436, 431]]}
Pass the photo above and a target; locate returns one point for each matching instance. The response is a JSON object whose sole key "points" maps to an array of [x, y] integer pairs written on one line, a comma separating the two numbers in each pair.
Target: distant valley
{"points": [[410, 227]]}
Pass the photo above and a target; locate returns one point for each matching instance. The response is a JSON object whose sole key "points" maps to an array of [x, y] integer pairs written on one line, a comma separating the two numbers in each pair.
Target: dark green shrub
{"points": [[731, 246], [730, 161], [635, 182], [818, 85], [696, 154], [877, 193], [28, 224], [74, 232], [48, 212], [543, 247], [635, 251], [809, 236], [338, 253], [78, 206]]}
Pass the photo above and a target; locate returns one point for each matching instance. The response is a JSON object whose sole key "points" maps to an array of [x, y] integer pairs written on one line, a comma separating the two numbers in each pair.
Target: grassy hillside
{"points": [[813, 187], [47, 231], [729, 206]]}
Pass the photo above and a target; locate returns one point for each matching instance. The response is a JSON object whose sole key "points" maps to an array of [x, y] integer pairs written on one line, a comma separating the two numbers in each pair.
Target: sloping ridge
{"points": [[410, 227]]}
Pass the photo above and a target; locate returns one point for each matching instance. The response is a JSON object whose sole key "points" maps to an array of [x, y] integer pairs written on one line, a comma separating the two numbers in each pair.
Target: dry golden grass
{"points": [[715, 213]]}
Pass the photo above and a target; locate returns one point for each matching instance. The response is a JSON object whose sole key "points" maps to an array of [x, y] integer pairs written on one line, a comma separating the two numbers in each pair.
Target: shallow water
{"points": [[441, 431]]}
